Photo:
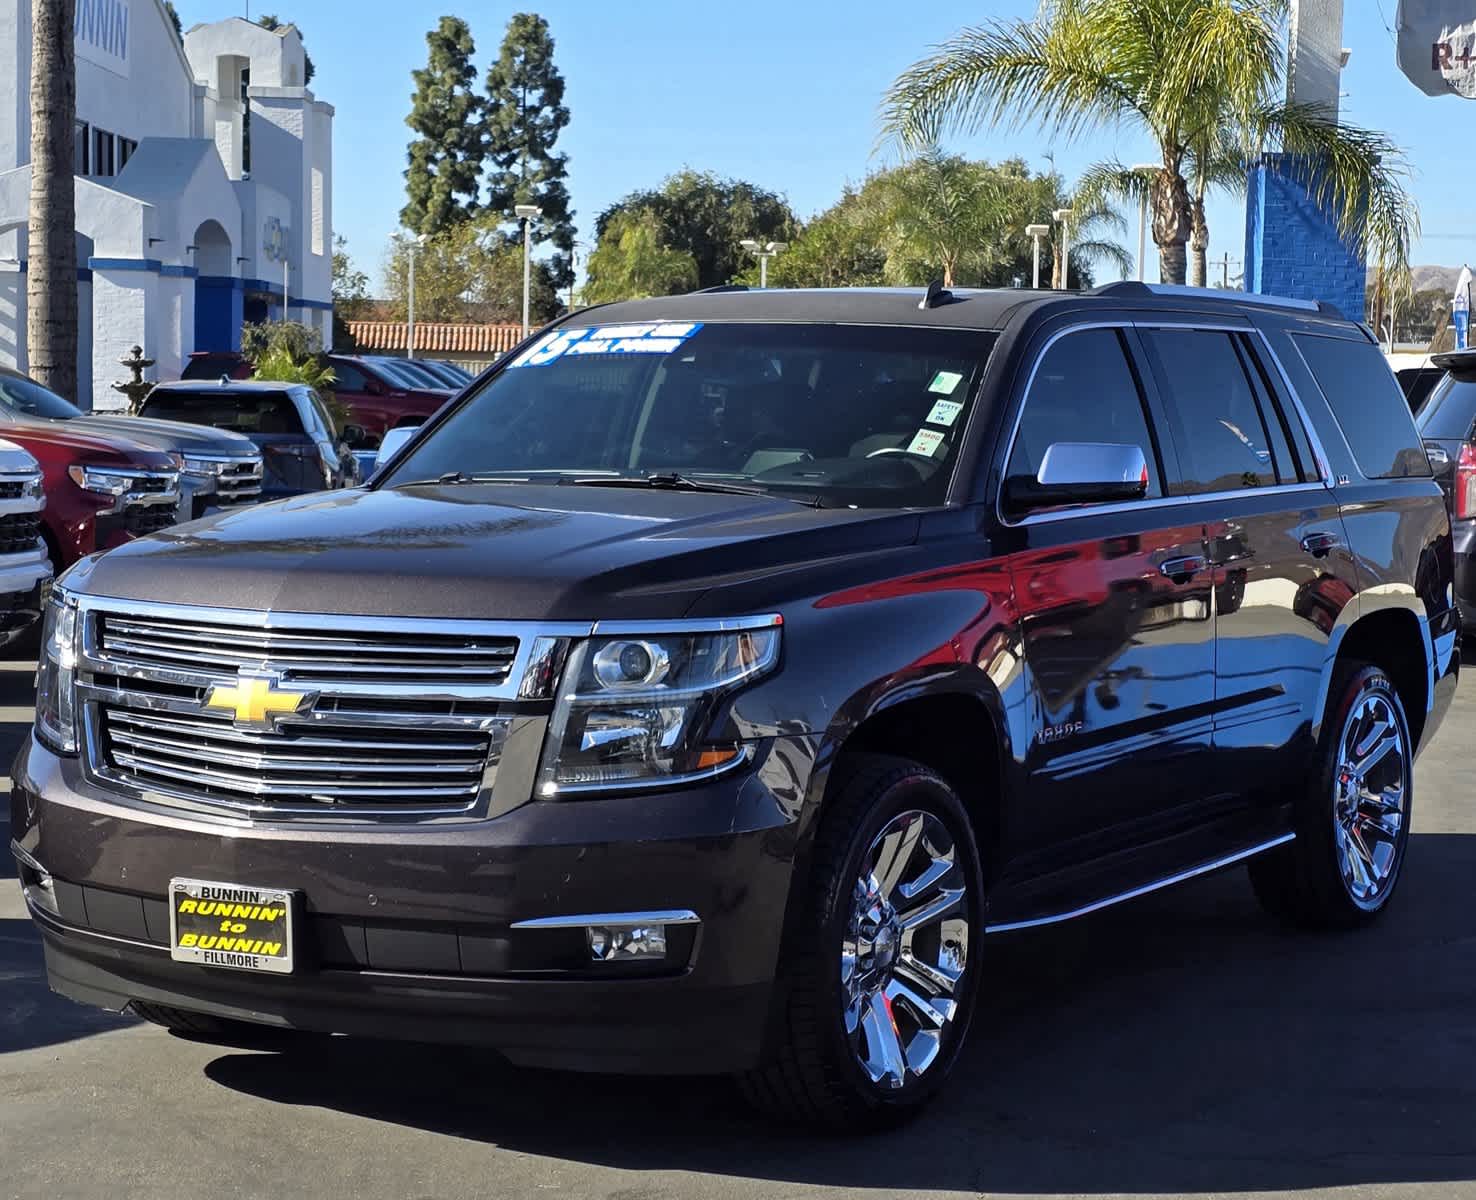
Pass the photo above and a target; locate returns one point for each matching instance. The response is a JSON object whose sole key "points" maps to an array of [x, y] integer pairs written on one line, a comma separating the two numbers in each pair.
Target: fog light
{"points": [[620, 943]]}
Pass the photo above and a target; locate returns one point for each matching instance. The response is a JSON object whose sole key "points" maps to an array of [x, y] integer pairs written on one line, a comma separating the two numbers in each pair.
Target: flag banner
{"points": [[1460, 308], [1437, 46]]}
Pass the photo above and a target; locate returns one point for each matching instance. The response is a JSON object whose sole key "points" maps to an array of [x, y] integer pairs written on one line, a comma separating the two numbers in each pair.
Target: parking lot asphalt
{"points": [[1181, 1045]]}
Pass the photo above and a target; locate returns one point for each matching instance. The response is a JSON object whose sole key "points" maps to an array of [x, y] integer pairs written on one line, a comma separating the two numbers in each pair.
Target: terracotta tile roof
{"points": [[373, 336]]}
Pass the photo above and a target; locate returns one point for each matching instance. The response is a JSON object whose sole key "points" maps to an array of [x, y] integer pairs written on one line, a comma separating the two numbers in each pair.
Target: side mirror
{"points": [[375, 388], [392, 443], [1081, 473], [354, 437]]}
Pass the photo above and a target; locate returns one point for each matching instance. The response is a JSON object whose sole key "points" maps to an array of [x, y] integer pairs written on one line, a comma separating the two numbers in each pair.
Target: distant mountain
{"points": [[1441, 278]]}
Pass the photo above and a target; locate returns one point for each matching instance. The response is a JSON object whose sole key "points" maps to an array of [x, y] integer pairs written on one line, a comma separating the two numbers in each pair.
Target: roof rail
{"points": [[1134, 287], [935, 295], [721, 287]]}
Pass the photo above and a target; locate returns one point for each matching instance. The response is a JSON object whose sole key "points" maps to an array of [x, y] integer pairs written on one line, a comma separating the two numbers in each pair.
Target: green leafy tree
{"points": [[467, 273], [1174, 69], [525, 115], [174, 20], [350, 285], [842, 247], [630, 262], [707, 217], [446, 156], [289, 352]]}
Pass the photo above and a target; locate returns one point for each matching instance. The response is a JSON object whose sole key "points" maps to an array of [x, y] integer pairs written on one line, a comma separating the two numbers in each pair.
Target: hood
{"points": [[88, 446], [177, 436], [511, 552]]}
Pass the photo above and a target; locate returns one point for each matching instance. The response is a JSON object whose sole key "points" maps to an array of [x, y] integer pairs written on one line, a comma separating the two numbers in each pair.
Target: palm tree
{"points": [[51, 279], [1182, 71]]}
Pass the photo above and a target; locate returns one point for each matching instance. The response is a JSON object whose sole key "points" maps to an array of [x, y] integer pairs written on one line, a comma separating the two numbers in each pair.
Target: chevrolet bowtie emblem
{"points": [[256, 701]]}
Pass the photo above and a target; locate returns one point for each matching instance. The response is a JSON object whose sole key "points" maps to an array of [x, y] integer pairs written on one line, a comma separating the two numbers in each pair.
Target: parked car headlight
{"points": [[56, 714], [208, 467], [635, 710], [101, 480]]}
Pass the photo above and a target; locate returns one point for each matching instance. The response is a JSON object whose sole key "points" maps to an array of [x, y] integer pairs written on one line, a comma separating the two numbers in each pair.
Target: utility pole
{"points": [[527, 213]]}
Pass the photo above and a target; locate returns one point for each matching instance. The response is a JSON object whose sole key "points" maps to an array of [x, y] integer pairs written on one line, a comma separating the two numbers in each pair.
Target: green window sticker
{"points": [[945, 382]]}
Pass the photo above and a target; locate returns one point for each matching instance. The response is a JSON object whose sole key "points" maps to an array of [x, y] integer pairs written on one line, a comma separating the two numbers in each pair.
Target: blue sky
{"points": [[781, 93]]}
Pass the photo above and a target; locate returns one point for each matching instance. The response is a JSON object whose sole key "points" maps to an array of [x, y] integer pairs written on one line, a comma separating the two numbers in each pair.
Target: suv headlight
{"points": [[101, 480], [56, 670], [635, 710]]}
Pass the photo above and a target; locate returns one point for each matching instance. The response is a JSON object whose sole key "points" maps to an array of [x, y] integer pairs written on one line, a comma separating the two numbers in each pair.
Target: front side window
{"points": [[872, 416], [1222, 438], [348, 378], [1084, 390], [1370, 409]]}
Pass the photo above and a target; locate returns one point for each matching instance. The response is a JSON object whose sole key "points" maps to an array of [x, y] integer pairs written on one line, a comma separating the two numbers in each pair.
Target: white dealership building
{"points": [[204, 186]]}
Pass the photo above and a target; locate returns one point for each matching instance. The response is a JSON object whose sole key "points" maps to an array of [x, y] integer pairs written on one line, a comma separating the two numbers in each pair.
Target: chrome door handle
{"points": [[1182, 567], [1318, 544]]}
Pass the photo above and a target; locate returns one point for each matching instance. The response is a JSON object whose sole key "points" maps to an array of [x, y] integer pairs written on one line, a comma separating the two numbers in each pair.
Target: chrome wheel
{"points": [[905, 948], [1370, 801]]}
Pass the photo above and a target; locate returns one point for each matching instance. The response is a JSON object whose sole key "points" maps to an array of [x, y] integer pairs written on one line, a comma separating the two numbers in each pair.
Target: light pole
{"points": [[410, 245], [1143, 169], [527, 213], [1035, 233], [763, 251], [1063, 215]]}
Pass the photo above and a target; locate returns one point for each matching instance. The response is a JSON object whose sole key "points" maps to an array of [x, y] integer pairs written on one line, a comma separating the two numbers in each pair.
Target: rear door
{"points": [[1281, 564], [1115, 612]]}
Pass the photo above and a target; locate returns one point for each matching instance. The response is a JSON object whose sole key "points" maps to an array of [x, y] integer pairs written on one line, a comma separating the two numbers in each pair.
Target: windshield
{"points": [[1450, 411], [396, 374], [865, 415], [32, 400]]}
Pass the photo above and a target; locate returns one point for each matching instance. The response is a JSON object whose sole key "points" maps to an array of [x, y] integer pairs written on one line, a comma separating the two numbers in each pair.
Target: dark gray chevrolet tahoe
{"points": [[698, 690]]}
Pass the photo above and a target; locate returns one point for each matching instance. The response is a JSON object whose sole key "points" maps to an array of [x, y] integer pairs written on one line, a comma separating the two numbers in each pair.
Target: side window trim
{"points": [[1322, 482], [1278, 394]]}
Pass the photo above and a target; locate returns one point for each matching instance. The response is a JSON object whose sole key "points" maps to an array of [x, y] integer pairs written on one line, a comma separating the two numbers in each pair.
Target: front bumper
{"points": [[408, 931], [23, 582]]}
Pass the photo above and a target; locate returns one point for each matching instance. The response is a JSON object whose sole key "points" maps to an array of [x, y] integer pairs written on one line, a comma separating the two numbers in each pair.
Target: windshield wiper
{"points": [[675, 481]]}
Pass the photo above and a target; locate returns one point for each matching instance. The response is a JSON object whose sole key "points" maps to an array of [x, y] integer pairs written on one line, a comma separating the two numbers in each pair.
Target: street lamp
{"points": [[1035, 233], [763, 251], [1143, 169], [1063, 215], [410, 245], [527, 214]]}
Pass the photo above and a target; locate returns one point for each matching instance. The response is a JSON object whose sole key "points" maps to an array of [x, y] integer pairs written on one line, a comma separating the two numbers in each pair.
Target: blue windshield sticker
{"points": [[657, 337]]}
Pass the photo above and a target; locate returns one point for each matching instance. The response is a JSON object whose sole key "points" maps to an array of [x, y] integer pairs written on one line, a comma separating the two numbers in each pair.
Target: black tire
{"points": [[1303, 882], [202, 1027], [812, 1076]]}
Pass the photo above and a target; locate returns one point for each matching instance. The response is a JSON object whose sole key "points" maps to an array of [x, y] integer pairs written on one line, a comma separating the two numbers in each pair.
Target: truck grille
{"points": [[240, 482], [300, 764], [313, 656], [401, 716], [19, 532]]}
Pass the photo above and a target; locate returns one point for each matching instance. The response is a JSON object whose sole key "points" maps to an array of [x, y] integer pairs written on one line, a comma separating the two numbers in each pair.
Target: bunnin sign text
{"points": [[103, 32]]}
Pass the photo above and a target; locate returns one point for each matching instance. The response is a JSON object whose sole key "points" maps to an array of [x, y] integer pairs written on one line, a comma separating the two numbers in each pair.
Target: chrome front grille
{"points": [[397, 716], [306, 655], [239, 481]]}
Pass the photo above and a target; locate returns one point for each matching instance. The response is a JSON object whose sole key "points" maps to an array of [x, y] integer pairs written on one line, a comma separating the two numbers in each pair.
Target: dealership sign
{"points": [[103, 30], [1437, 46]]}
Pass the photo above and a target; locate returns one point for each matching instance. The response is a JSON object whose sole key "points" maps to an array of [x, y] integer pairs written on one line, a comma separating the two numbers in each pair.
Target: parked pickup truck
{"points": [[702, 688], [217, 469], [25, 568]]}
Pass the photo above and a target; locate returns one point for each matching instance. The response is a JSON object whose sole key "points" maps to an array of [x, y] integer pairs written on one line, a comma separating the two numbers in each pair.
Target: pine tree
{"points": [[525, 113], [441, 182]]}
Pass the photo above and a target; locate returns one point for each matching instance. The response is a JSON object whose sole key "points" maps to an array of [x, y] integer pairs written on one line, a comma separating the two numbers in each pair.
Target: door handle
{"points": [[1182, 567], [1318, 544]]}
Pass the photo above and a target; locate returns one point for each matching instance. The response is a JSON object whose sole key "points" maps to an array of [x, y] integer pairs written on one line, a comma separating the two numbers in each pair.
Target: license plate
{"points": [[229, 925]]}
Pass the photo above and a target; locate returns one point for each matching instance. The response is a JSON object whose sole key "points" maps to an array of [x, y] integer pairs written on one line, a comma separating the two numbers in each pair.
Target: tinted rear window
{"points": [[1368, 404], [1450, 412], [242, 412]]}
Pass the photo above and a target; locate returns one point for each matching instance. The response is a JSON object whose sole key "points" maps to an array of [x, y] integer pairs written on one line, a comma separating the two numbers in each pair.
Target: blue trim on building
{"points": [[219, 309], [324, 305], [125, 264], [21, 268], [179, 270]]}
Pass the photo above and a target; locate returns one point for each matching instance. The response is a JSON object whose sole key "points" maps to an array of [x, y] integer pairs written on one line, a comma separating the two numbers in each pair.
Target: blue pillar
{"points": [[1292, 245], [218, 309]]}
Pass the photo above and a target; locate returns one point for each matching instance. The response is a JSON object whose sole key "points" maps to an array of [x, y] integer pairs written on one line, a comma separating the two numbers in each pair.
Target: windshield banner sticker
{"points": [[655, 337]]}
